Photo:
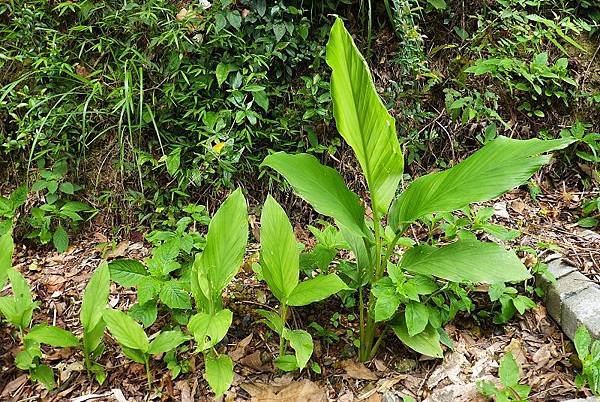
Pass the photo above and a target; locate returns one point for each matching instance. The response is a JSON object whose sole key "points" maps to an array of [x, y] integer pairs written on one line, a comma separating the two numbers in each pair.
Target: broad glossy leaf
{"points": [[322, 187], [279, 255], [125, 330], [416, 317], [316, 289], [174, 295], [499, 166], [287, 363], [583, 340], [225, 245], [509, 371], [43, 374], [60, 239], [427, 342], [6, 252], [208, 330], [53, 336], [127, 272], [167, 341], [466, 261], [95, 297], [145, 313], [23, 301], [219, 373], [387, 299], [92, 338], [362, 119], [302, 343]]}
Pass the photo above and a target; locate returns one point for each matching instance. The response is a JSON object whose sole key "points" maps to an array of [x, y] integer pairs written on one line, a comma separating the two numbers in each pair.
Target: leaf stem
{"points": [[148, 374], [283, 315]]}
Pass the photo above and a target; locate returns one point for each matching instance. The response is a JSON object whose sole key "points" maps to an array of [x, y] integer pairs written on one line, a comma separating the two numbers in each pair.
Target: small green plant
{"points": [[154, 280], [18, 310], [591, 214], [9, 206], [280, 268], [400, 299], [468, 223], [95, 298], [212, 271], [589, 355], [510, 302], [134, 341], [51, 220], [509, 373], [579, 131]]}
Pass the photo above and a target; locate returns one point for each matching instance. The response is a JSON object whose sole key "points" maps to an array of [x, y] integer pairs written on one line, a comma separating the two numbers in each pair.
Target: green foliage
{"points": [[589, 355], [161, 277], [193, 96], [18, 310], [134, 341], [510, 374], [95, 298], [365, 124], [9, 207], [510, 302], [212, 271], [279, 267], [50, 220]]}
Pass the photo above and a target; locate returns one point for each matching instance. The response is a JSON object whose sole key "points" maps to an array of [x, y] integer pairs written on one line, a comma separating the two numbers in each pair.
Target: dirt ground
{"points": [[541, 349]]}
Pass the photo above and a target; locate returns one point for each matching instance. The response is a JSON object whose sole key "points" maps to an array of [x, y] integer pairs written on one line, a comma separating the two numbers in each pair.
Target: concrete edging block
{"points": [[572, 300]]}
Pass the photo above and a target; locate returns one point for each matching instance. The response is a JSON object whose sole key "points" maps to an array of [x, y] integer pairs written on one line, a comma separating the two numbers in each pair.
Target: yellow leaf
{"points": [[218, 147]]}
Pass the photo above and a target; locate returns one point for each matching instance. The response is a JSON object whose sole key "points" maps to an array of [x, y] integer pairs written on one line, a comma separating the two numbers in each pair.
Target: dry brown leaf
{"points": [[450, 368], [255, 362], [14, 385], [240, 349], [305, 391], [186, 392], [118, 251], [358, 370]]}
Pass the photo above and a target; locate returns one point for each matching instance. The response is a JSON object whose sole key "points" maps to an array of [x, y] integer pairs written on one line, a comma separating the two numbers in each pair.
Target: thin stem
{"points": [[376, 346], [283, 315], [361, 305], [148, 374]]}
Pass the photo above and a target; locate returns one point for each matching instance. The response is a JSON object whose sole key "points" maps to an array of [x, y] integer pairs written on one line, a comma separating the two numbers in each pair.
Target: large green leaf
{"points": [[499, 166], [316, 289], [279, 254], [167, 341], [208, 330], [219, 373], [427, 342], [302, 343], [322, 187], [225, 246], [95, 297], [466, 261], [125, 330], [6, 252], [362, 119], [22, 298], [53, 336], [127, 272]]}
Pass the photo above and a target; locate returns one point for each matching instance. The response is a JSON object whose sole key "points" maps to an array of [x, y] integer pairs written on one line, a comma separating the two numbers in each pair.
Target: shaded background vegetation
{"points": [[155, 105]]}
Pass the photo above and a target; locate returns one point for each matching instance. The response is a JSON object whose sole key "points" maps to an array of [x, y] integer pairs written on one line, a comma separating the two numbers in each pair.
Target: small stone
{"points": [[405, 365]]}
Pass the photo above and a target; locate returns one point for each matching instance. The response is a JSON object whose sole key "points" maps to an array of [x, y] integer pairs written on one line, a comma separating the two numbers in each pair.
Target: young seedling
{"points": [[589, 355], [510, 374], [8, 208], [134, 341], [95, 298], [402, 300], [279, 266], [153, 281], [18, 310], [212, 271]]}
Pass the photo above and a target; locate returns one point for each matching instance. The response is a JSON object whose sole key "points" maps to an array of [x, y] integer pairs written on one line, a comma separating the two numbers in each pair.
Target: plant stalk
{"points": [[283, 315], [148, 374]]}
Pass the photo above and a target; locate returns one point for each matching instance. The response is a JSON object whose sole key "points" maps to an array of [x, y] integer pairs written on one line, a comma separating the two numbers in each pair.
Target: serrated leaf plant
{"points": [[158, 278], [134, 342], [212, 271], [280, 268], [588, 352], [393, 285], [510, 374], [95, 298], [18, 310]]}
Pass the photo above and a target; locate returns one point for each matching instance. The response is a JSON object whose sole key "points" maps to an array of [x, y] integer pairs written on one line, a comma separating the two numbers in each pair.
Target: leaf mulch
{"points": [[541, 349]]}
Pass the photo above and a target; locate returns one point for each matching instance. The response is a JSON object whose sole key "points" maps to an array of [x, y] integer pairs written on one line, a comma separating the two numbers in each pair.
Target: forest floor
{"points": [[539, 346]]}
